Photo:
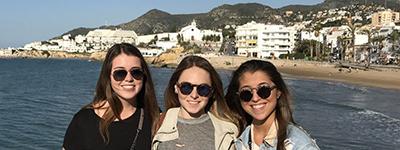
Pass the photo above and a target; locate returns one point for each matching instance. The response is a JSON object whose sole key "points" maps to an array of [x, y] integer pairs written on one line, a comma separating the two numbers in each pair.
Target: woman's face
{"points": [[193, 103], [258, 107], [122, 82]]}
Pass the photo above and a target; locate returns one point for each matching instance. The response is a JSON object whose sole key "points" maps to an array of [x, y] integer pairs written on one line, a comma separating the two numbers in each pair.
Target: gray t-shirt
{"points": [[194, 134]]}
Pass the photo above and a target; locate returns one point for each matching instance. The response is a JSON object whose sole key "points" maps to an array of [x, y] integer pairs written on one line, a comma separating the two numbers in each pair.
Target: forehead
{"points": [[195, 75], [253, 79], [126, 61]]}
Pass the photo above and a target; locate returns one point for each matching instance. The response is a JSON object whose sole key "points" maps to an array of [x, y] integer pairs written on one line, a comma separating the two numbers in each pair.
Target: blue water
{"points": [[39, 97]]}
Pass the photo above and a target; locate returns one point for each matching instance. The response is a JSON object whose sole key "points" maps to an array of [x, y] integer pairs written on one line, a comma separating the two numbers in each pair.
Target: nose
{"points": [[128, 77], [255, 97], [194, 94]]}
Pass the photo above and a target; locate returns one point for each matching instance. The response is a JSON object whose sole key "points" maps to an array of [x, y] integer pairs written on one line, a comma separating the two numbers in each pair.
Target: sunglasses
{"points": [[202, 89], [120, 75], [263, 91]]}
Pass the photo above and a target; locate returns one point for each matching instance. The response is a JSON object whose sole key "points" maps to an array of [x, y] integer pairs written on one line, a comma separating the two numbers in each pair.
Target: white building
{"points": [[164, 45], [32, 45], [192, 33], [277, 40], [248, 42], [5, 52], [105, 38], [150, 52], [264, 41], [80, 39], [171, 36]]}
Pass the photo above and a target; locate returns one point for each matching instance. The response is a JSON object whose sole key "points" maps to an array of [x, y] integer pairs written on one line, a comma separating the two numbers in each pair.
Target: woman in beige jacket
{"points": [[197, 115]]}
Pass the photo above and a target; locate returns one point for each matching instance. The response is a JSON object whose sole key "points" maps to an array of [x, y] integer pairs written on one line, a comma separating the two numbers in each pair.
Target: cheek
{"points": [[181, 97], [140, 85], [244, 105]]}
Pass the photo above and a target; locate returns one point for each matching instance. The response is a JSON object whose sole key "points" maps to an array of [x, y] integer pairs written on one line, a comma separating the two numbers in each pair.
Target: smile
{"points": [[258, 106], [193, 102], [128, 86]]}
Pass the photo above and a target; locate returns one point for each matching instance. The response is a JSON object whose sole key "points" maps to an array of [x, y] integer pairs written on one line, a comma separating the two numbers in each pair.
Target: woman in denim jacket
{"points": [[258, 93]]}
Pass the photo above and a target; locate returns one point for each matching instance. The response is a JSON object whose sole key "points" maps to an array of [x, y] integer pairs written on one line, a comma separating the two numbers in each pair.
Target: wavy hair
{"points": [[145, 99], [283, 108]]}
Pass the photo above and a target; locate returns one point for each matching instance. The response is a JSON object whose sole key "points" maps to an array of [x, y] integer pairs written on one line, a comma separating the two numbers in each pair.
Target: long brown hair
{"points": [[145, 99], [216, 103], [283, 107]]}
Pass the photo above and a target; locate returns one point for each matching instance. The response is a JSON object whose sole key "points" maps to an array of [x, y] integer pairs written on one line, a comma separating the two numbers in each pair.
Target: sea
{"points": [[38, 98]]}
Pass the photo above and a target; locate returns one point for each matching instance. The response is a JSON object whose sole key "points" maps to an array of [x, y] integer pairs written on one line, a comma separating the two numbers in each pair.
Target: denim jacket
{"points": [[297, 139]]}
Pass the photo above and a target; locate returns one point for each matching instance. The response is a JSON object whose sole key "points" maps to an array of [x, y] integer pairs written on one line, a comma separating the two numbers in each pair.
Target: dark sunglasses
{"points": [[263, 91], [202, 89], [120, 75]]}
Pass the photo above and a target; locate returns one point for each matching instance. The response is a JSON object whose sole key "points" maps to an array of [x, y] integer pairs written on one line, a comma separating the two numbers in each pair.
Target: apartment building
{"points": [[385, 17], [264, 41]]}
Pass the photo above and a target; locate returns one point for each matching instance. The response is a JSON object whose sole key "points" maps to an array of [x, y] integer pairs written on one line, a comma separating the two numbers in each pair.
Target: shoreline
{"points": [[386, 78]]}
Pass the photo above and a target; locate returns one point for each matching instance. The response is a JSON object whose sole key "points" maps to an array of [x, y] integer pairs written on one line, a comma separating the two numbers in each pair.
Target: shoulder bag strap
{"points": [[140, 125]]}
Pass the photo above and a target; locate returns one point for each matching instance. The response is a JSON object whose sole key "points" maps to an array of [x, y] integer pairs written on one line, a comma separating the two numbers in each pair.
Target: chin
{"points": [[193, 111]]}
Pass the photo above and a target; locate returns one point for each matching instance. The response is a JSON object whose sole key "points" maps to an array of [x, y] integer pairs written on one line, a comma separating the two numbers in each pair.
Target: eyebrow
{"points": [[248, 86], [124, 68]]}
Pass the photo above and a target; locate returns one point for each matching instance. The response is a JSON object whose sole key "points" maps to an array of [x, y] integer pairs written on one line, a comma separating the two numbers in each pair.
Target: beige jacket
{"points": [[225, 132]]}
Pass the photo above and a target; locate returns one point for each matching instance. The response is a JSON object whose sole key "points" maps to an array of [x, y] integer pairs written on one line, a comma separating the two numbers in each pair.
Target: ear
{"points": [[176, 89], [278, 94]]}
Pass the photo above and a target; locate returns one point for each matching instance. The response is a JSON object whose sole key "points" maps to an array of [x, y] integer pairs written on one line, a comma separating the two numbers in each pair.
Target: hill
{"points": [[157, 21]]}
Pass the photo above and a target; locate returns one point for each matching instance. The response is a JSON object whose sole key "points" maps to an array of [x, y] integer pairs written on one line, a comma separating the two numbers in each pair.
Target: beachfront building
{"points": [[248, 42], [277, 40], [66, 43], [264, 41], [102, 39], [385, 17]]}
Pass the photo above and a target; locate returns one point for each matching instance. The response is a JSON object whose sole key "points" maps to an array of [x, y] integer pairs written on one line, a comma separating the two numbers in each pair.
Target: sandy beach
{"points": [[386, 78]]}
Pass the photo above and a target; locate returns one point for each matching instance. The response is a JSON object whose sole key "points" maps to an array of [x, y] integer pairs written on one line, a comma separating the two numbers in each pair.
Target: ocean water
{"points": [[38, 98]]}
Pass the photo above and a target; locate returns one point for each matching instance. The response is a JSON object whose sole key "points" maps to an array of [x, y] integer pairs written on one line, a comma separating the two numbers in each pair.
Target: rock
{"points": [[100, 56], [169, 57]]}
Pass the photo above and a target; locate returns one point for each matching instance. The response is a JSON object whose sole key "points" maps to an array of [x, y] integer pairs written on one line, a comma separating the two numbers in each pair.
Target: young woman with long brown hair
{"points": [[258, 93], [197, 115], [124, 108]]}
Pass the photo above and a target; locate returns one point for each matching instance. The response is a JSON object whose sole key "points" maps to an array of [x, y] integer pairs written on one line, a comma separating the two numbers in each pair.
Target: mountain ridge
{"points": [[157, 21]]}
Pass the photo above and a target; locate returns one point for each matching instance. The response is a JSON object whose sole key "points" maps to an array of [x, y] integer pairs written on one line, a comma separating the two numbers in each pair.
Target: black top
{"points": [[83, 133]]}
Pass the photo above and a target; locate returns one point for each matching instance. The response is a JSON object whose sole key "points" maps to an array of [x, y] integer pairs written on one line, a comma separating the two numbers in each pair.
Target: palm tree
{"points": [[317, 29], [353, 29], [394, 38]]}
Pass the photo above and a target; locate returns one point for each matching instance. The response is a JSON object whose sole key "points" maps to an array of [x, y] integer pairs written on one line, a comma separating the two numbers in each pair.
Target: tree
{"points": [[317, 29], [353, 28], [179, 37], [218, 38], [305, 47], [394, 38]]}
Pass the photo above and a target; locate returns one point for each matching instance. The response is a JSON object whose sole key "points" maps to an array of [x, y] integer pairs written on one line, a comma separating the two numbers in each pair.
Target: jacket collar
{"points": [[270, 140], [169, 131]]}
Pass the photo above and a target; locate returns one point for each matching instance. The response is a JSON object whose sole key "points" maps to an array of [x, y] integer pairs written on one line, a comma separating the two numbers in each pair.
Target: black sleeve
{"points": [[72, 137]]}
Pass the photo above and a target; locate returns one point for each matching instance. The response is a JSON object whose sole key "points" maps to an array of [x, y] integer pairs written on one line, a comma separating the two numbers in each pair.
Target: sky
{"points": [[25, 21]]}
